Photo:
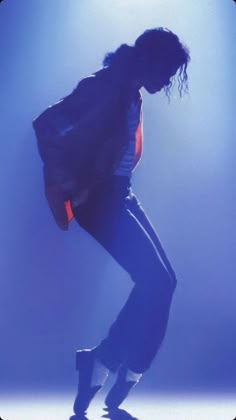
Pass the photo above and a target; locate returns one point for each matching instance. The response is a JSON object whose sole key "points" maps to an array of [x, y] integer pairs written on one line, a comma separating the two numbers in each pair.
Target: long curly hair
{"points": [[157, 46]]}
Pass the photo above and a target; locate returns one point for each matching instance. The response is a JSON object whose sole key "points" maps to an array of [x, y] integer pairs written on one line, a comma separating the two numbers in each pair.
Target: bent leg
{"points": [[138, 331], [133, 204]]}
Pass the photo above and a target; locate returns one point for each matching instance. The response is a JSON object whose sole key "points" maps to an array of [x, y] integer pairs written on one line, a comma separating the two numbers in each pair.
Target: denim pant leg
{"points": [[133, 204], [137, 333]]}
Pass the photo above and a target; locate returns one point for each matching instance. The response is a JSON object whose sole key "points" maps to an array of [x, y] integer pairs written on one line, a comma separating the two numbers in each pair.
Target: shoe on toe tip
{"points": [[118, 394], [85, 365], [125, 381]]}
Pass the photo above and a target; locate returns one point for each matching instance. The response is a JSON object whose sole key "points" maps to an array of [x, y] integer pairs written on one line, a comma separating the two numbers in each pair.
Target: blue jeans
{"points": [[114, 217]]}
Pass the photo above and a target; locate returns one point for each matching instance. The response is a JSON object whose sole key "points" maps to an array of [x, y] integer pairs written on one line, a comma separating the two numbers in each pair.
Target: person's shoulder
{"points": [[96, 82]]}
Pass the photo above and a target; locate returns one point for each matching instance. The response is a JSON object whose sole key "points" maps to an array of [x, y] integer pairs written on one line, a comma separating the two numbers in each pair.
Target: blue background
{"points": [[61, 291]]}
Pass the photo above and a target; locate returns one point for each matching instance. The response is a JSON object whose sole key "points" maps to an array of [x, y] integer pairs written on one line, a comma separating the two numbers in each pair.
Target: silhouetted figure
{"points": [[90, 143]]}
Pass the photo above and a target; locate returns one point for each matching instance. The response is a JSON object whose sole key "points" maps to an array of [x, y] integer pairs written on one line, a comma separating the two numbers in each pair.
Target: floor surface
{"points": [[59, 407]]}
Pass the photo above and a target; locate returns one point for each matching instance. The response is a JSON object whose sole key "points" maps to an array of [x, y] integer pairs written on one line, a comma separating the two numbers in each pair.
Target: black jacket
{"points": [[84, 135]]}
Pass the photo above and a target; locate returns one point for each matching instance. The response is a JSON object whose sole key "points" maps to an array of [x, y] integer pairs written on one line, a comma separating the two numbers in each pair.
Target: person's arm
{"points": [[67, 134], [61, 205]]}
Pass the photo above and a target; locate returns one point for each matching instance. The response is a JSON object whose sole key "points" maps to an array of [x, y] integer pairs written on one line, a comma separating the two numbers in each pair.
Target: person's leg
{"points": [[126, 378], [133, 204], [137, 333], [151, 346]]}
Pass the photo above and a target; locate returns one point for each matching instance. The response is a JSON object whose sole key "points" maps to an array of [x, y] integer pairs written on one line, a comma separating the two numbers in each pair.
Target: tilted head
{"points": [[161, 56], [153, 61]]}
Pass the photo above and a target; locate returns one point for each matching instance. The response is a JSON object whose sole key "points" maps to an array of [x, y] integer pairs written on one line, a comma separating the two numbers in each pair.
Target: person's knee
{"points": [[157, 280], [153, 277], [173, 282], [165, 282]]}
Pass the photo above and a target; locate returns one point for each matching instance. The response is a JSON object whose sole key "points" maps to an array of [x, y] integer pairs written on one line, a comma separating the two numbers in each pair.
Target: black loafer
{"points": [[120, 390], [84, 364]]}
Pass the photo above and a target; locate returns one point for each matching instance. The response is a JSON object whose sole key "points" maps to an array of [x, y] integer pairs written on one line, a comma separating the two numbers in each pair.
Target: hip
{"points": [[106, 199]]}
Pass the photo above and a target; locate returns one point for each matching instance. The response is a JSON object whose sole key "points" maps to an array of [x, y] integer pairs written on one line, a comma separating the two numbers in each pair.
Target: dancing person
{"points": [[91, 143]]}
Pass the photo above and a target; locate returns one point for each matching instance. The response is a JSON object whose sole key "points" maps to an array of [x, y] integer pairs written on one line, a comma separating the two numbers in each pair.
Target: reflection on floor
{"points": [[182, 407]]}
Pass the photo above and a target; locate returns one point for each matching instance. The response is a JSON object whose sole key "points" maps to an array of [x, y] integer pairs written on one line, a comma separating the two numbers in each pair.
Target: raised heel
{"points": [[86, 392]]}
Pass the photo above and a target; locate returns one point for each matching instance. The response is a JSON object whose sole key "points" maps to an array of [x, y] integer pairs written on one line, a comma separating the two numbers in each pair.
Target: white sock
{"points": [[133, 376], [100, 373]]}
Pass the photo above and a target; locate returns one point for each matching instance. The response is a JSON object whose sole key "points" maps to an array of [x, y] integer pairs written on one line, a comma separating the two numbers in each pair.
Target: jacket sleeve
{"points": [[68, 131]]}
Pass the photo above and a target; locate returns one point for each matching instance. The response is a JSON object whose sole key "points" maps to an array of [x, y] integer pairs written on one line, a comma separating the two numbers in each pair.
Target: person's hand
{"points": [[58, 194], [55, 197], [74, 193], [80, 198]]}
